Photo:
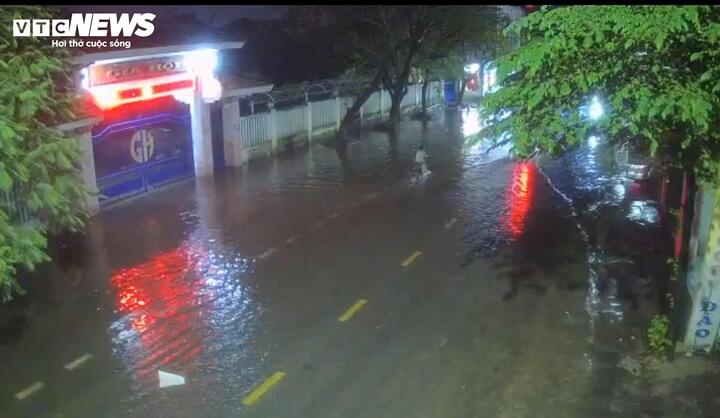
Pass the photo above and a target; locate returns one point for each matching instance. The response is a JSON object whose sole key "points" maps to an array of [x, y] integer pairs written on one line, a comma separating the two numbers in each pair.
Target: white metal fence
{"points": [[255, 129], [323, 114], [320, 116]]}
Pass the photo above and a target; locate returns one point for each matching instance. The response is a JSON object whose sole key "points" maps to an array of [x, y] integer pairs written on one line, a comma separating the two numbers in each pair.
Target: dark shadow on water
{"points": [[341, 149], [541, 257], [13, 319], [395, 167]]}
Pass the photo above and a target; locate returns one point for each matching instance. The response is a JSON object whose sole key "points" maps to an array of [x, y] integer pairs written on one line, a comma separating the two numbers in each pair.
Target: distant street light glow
{"points": [[472, 68], [596, 109]]}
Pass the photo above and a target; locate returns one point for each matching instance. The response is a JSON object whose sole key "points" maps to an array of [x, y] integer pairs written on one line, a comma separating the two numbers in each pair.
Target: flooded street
{"points": [[304, 286]]}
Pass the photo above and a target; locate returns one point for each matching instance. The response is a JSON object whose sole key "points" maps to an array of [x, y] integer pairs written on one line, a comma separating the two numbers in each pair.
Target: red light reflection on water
{"points": [[163, 297], [520, 193]]}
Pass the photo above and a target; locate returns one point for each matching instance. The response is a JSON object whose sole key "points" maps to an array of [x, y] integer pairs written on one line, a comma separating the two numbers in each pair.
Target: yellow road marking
{"points": [[267, 253], [29, 390], [451, 223], [78, 362], [351, 311], [412, 258], [264, 387]]}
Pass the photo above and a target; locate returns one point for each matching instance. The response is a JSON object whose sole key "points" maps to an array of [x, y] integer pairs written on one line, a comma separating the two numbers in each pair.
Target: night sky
{"points": [[223, 14]]}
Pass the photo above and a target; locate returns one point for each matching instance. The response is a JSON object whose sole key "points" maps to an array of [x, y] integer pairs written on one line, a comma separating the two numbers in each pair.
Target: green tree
{"points": [[357, 39], [472, 34], [413, 28], [655, 68], [37, 162], [381, 43]]}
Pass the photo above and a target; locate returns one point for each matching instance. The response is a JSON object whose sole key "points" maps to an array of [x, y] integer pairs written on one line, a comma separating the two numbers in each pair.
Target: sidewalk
{"points": [[627, 252]]}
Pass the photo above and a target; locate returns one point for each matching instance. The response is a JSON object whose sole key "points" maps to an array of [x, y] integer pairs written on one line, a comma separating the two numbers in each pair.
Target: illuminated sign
{"points": [[112, 84], [102, 74]]}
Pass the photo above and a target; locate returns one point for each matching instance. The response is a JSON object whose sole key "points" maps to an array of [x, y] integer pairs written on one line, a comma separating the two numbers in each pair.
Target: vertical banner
{"points": [[705, 315]]}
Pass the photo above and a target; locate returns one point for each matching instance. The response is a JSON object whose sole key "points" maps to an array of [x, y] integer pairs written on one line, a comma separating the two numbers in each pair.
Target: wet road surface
{"points": [[308, 287]]}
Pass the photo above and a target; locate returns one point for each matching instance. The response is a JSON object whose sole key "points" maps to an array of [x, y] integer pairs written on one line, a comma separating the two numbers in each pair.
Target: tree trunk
{"points": [[398, 87], [425, 84], [461, 93], [360, 100], [395, 109]]}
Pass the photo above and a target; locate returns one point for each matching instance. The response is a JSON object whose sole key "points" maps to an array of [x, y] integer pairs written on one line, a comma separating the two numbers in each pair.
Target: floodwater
{"points": [[494, 288]]}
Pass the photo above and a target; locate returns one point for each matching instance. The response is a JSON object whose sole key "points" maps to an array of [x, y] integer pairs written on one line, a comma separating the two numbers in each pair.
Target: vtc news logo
{"points": [[87, 25]]}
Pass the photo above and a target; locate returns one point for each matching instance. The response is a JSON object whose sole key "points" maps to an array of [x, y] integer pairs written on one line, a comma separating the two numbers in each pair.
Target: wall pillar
{"points": [[704, 273], [273, 128], [382, 102], [232, 142], [88, 170], [201, 135], [82, 130], [337, 112], [309, 120]]}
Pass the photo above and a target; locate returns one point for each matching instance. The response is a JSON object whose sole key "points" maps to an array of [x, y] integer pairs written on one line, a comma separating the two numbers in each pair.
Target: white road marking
{"points": [[78, 362], [267, 253], [291, 239], [335, 216], [372, 195], [320, 225], [29, 390], [166, 379]]}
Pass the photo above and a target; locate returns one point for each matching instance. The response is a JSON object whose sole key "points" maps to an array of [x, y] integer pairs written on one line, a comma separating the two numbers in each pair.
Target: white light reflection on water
{"points": [[471, 122]]}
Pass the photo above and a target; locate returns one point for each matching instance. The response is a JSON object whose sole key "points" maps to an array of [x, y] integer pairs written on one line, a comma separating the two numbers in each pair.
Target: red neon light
{"points": [[175, 85], [520, 197], [111, 96]]}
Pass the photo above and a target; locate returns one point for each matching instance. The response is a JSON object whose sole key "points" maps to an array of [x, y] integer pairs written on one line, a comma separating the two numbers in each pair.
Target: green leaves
{"points": [[5, 181], [657, 67], [536, 97], [565, 89], [37, 164], [696, 56], [658, 335]]}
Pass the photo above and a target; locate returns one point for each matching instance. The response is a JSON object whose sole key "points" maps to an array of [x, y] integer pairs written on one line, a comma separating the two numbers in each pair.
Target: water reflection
{"points": [[173, 304], [470, 122], [644, 212], [520, 193]]}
